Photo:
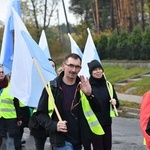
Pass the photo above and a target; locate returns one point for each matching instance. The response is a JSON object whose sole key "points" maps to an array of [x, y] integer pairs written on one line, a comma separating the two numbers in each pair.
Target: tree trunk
{"points": [[129, 17], [93, 13], [45, 10], [135, 17], [112, 15], [142, 13], [97, 16], [35, 17]]}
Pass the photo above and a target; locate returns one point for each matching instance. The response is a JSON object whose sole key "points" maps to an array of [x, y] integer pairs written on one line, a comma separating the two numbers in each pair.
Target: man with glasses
{"points": [[68, 90]]}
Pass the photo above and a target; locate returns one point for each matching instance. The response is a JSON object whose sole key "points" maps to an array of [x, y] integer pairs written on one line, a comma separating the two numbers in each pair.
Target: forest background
{"points": [[120, 28]]}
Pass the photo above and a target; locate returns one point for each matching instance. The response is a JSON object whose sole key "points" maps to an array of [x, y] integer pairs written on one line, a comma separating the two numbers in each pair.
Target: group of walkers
{"points": [[85, 110]]}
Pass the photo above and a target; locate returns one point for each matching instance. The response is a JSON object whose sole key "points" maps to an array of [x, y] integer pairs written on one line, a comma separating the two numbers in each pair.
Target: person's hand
{"points": [[19, 123], [113, 101], [85, 86], [61, 126]]}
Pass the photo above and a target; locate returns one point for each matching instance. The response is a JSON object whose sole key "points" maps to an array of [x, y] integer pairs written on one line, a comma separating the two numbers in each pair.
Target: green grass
{"points": [[116, 74], [129, 104]]}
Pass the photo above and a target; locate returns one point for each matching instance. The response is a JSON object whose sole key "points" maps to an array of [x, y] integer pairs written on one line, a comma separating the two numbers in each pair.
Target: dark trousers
{"points": [[100, 142], [17, 139], [40, 143], [103, 142]]}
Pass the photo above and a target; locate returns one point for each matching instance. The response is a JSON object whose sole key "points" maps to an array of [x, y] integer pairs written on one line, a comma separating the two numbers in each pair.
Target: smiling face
{"points": [[97, 73]]}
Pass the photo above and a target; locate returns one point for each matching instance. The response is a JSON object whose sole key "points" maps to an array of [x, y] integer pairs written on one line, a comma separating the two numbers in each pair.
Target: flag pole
{"points": [[115, 109], [47, 89]]}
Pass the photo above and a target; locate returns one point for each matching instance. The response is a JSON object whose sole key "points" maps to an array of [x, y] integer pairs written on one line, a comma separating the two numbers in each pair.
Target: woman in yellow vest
{"points": [[104, 114], [10, 118]]}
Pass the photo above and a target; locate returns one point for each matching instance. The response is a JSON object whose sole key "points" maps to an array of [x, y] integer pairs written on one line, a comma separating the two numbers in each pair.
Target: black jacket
{"points": [[50, 124], [99, 88]]}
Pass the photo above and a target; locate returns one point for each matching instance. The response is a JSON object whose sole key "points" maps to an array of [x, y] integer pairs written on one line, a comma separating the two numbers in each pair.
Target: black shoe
{"points": [[23, 142]]}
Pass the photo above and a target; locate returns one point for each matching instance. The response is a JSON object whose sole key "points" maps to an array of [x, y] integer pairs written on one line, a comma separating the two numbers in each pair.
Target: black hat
{"points": [[93, 65]]}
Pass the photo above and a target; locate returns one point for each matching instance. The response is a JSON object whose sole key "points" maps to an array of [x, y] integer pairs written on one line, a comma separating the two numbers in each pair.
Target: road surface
{"points": [[126, 136]]}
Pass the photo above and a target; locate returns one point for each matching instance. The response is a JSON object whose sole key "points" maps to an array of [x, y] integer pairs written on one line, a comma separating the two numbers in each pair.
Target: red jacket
{"points": [[144, 116]]}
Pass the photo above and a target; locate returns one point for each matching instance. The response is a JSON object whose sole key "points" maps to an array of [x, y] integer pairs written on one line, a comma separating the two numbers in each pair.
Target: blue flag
{"points": [[7, 43]]}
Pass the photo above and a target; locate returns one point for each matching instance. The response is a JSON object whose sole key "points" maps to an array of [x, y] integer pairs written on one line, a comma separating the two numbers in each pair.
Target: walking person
{"points": [[10, 116], [25, 114], [38, 132], [70, 92], [103, 90]]}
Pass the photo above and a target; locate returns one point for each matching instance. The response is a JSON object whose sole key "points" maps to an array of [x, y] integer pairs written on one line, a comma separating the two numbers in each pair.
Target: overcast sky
{"points": [[71, 18]]}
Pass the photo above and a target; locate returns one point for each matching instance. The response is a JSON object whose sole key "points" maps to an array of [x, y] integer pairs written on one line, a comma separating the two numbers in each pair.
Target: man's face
{"points": [[72, 67], [1, 74]]}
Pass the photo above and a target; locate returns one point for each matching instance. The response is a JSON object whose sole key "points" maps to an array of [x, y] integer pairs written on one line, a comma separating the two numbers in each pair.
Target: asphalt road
{"points": [[126, 136]]}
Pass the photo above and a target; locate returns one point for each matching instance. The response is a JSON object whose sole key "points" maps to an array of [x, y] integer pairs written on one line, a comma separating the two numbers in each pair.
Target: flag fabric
{"points": [[90, 53], [4, 6], [26, 83], [74, 47], [7, 43], [44, 45]]}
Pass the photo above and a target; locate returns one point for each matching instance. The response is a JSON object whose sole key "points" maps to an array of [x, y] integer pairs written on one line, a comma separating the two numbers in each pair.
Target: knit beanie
{"points": [[93, 65]]}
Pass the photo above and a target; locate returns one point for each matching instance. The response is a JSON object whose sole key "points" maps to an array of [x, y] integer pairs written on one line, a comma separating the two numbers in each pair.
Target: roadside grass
{"points": [[141, 86], [118, 73], [129, 104]]}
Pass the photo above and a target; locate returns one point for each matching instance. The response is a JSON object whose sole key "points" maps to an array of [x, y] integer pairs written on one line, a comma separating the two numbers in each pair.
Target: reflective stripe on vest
{"points": [[50, 106], [112, 113], [7, 108], [91, 118]]}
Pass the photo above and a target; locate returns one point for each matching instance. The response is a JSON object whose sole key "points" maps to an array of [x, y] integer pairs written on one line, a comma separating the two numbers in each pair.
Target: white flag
{"points": [[90, 53], [26, 83], [44, 45], [74, 47]]}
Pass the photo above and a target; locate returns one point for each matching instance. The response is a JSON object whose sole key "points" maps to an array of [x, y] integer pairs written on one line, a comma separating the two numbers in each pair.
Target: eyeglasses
{"points": [[71, 66], [1, 72]]}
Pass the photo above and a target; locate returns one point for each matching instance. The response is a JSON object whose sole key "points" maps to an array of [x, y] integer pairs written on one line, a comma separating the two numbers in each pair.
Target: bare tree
{"points": [[39, 13]]}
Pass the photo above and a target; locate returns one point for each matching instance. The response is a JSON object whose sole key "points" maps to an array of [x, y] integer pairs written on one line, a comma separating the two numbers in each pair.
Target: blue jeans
{"points": [[10, 143], [68, 146]]}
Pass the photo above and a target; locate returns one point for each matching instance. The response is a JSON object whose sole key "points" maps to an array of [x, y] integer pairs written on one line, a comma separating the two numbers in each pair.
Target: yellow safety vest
{"points": [[21, 104], [90, 116], [88, 112], [110, 88], [7, 108]]}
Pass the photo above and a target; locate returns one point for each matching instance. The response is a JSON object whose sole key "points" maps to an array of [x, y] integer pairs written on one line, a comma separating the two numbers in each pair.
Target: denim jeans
{"points": [[68, 146], [10, 142]]}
